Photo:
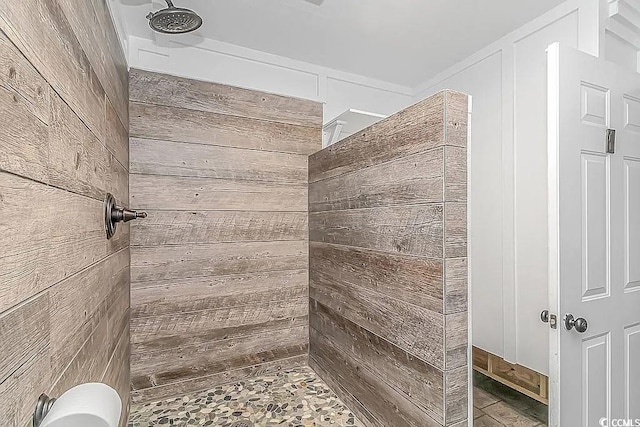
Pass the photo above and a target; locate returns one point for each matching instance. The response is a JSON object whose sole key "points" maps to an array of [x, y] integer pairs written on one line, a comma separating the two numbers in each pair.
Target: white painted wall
{"points": [[509, 164], [215, 61]]}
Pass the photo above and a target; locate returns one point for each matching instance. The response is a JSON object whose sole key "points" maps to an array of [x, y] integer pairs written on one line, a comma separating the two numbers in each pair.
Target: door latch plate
{"points": [[553, 321]]}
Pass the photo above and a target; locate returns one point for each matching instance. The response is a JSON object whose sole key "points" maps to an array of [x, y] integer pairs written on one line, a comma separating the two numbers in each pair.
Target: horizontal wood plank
{"points": [[43, 34], [182, 125], [203, 383], [195, 361], [216, 259], [416, 330], [413, 230], [78, 161], [412, 130], [80, 302], [159, 157], [39, 231], [18, 75], [203, 322], [220, 265], [184, 227], [95, 34], [411, 279], [24, 358], [182, 295], [152, 88], [391, 408], [409, 180], [117, 136], [412, 378], [197, 194]]}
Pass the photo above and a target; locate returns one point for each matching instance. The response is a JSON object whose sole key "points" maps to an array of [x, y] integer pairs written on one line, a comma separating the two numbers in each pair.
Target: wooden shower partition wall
{"points": [[219, 269], [388, 266]]}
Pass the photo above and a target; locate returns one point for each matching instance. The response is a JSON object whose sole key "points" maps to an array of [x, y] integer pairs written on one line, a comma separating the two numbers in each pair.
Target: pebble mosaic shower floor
{"points": [[289, 398]]}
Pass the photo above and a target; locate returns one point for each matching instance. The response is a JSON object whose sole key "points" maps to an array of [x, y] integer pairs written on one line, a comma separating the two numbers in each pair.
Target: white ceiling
{"points": [[398, 41]]}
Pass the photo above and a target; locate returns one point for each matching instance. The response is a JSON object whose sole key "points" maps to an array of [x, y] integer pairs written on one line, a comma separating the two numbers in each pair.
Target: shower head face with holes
{"points": [[174, 20]]}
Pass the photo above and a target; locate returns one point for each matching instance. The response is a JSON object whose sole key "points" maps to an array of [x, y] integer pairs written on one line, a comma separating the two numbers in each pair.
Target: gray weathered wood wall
{"points": [[388, 267], [219, 269], [64, 289]]}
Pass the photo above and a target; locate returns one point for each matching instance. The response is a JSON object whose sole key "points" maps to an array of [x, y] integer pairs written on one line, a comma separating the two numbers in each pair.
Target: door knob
{"points": [[580, 323], [544, 316]]}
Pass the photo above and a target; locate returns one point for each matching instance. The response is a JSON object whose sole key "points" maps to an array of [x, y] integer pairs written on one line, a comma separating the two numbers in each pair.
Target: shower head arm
{"points": [[169, 3]]}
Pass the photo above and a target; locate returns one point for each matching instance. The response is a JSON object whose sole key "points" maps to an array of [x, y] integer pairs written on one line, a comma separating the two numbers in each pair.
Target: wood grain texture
{"points": [[42, 32], [181, 388], [75, 314], [456, 285], [91, 24], [413, 179], [172, 328], [215, 259], [455, 174], [184, 227], [385, 404], [418, 381], [64, 289], [388, 268], [158, 157], [220, 266], [200, 194], [175, 296], [39, 231], [416, 330], [202, 360], [152, 88], [182, 125], [414, 280], [18, 75], [411, 229], [455, 220], [117, 136], [457, 389], [412, 130], [24, 356]]}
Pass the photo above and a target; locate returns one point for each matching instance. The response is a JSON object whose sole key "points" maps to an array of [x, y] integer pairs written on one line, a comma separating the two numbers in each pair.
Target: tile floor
{"points": [[496, 405], [289, 398], [299, 398]]}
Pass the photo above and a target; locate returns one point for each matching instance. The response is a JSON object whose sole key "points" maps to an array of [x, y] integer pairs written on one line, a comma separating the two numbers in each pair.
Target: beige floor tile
{"points": [[486, 421], [507, 415], [477, 413], [482, 399]]}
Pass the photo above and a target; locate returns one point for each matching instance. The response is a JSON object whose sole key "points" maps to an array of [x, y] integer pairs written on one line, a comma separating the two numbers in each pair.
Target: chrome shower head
{"points": [[174, 20]]}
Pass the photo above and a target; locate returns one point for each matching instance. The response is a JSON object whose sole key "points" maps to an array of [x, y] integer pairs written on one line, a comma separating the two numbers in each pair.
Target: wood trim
{"points": [[517, 377]]}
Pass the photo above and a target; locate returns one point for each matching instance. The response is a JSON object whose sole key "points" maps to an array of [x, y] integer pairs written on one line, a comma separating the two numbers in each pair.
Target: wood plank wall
{"points": [[388, 267], [64, 289], [220, 267]]}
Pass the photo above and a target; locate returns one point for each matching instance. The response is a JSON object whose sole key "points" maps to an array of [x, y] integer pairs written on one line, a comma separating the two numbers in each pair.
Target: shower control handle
{"points": [[113, 214], [120, 214]]}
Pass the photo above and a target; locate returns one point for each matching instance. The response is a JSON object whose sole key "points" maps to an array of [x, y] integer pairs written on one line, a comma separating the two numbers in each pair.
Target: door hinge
{"points": [[611, 141]]}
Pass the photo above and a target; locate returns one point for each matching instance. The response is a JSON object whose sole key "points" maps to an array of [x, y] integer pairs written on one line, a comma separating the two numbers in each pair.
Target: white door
{"points": [[594, 245]]}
